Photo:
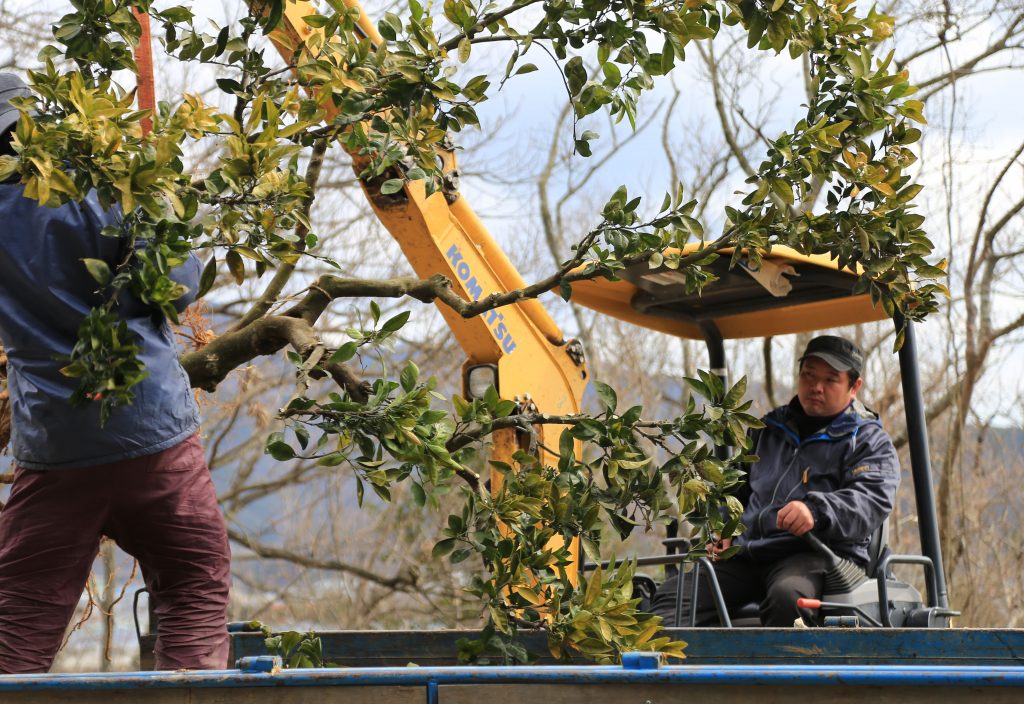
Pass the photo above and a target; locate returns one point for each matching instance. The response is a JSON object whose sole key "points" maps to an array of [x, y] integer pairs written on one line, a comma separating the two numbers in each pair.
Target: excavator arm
{"points": [[519, 346]]}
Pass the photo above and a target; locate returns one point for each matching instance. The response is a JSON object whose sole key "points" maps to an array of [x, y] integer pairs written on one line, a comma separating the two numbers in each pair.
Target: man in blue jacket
{"points": [[141, 479], [825, 464]]}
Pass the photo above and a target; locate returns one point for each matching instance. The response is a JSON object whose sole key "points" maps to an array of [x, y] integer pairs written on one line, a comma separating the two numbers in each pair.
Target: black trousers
{"points": [[775, 585]]}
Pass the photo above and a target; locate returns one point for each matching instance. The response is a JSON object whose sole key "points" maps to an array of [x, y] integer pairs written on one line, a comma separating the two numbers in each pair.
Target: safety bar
{"points": [[716, 594], [883, 587], [640, 562], [677, 559]]}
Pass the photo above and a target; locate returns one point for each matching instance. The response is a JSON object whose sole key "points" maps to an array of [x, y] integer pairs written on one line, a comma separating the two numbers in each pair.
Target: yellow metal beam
{"points": [[444, 235], [615, 298]]}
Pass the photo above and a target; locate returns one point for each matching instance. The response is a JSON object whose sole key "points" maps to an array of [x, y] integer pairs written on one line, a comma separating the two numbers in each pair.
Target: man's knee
{"points": [[192, 626], [788, 589], [779, 607], [31, 631], [195, 652]]}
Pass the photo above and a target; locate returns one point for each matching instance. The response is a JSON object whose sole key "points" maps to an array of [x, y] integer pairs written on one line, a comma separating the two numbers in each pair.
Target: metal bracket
{"points": [[260, 663], [641, 661]]}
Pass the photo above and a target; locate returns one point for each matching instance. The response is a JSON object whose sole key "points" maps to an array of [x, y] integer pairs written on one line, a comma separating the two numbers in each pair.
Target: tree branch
{"points": [[400, 582], [285, 269], [967, 67], [210, 365], [983, 211], [327, 288], [438, 287], [727, 130], [240, 496], [453, 43]]}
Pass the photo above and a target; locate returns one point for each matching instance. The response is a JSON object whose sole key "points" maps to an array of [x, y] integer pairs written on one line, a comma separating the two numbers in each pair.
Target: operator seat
{"points": [[748, 615], [878, 549]]}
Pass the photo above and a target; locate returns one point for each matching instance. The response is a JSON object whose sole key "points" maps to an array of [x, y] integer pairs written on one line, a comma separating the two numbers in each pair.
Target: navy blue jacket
{"points": [[847, 474], [45, 292]]}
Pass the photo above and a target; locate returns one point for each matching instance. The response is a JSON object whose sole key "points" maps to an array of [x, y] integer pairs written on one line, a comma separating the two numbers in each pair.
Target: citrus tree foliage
{"points": [[392, 106]]}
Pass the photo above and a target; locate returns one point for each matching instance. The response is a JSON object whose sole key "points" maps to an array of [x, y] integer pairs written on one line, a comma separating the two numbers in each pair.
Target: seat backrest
{"points": [[878, 548]]}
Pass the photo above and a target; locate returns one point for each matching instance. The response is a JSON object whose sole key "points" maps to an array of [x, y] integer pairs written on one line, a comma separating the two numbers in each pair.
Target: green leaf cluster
{"points": [[105, 359], [614, 468], [296, 650], [392, 107]]}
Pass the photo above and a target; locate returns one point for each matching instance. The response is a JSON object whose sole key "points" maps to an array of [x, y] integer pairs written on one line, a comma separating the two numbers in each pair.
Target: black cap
{"points": [[10, 87], [838, 352]]}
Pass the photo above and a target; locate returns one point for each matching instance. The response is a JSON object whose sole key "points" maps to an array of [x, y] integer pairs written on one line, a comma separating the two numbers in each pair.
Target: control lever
{"points": [[815, 604], [842, 575]]}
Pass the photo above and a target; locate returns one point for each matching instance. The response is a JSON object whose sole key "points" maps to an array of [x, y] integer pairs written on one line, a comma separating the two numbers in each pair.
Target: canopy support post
{"points": [[716, 358], [920, 463]]}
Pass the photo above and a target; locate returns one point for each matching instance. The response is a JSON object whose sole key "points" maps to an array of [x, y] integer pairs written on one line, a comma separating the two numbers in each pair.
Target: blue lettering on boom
{"points": [[475, 290]]}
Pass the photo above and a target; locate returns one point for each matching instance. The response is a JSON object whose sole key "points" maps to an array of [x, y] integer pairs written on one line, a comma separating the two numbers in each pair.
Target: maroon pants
{"points": [[161, 509]]}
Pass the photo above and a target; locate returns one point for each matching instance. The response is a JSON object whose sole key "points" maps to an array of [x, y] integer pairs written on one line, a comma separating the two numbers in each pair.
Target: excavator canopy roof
{"points": [[737, 304]]}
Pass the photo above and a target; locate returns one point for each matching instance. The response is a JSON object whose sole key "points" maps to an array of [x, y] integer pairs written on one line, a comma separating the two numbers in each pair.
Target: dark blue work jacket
{"points": [[45, 292], [847, 474]]}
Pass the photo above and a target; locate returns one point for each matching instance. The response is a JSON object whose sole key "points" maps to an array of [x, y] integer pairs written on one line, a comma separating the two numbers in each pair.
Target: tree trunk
{"points": [[107, 600]]}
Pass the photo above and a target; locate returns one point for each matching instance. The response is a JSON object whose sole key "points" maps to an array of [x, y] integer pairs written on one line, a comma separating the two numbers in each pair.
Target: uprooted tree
{"points": [[395, 105]]}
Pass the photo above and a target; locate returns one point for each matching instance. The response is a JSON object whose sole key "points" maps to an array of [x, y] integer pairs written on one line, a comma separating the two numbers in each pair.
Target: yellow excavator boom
{"points": [[535, 366]]}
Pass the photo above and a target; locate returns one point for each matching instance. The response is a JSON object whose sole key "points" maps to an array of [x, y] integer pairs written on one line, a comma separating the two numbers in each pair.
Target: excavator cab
{"points": [[787, 292]]}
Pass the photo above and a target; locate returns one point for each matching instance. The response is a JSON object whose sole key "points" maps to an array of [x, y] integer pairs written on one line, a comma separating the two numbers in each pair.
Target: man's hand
{"points": [[716, 547], [795, 517]]}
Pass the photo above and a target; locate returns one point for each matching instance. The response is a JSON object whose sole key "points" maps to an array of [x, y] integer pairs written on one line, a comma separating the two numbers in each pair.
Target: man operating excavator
{"points": [[825, 465]]}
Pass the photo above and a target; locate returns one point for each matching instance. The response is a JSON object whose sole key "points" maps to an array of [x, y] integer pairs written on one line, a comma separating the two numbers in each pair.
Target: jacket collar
{"points": [[848, 422]]}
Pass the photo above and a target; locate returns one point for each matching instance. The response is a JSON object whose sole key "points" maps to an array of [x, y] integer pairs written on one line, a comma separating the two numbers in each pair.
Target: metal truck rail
{"points": [[641, 679]]}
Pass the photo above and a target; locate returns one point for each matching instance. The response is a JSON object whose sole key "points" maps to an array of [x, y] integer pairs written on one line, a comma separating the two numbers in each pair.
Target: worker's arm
{"points": [[867, 491]]}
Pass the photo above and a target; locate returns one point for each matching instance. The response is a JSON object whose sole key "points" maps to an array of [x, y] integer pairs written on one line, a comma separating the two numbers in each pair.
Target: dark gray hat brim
{"points": [[837, 363]]}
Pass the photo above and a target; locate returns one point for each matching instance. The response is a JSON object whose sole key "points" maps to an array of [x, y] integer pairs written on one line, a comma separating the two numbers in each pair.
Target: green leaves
{"points": [[235, 265], [207, 278], [410, 375], [273, 11], [443, 548], [99, 270], [278, 448], [393, 185], [296, 650], [607, 396], [105, 360], [575, 75], [913, 109], [395, 324], [393, 108], [344, 353], [524, 531]]}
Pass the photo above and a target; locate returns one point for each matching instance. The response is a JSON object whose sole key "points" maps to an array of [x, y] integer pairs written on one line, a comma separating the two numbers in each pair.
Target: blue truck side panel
{"points": [[885, 666], [706, 646], [787, 675]]}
